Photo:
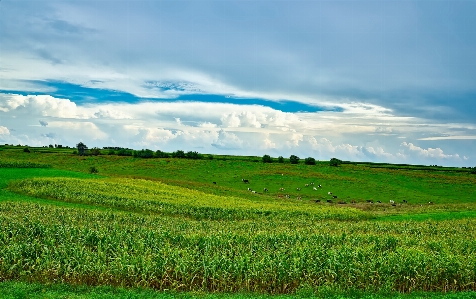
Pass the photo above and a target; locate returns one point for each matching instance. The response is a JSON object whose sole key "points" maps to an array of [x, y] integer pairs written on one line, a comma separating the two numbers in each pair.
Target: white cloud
{"points": [[448, 138], [411, 149], [228, 141], [4, 131]]}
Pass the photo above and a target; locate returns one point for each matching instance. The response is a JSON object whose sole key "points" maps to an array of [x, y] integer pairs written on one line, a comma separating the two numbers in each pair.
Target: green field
{"points": [[192, 227]]}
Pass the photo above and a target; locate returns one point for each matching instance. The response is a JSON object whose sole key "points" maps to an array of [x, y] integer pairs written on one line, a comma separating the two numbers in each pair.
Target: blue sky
{"points": [[383, 81]]}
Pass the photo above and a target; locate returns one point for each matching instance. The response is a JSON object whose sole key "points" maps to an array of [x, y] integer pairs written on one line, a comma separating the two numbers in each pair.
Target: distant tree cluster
{"points": [[335, 162], [473, 170]]}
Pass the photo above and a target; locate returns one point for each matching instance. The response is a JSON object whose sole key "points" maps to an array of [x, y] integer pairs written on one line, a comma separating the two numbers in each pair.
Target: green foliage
{"points": [[335, 162], [22, 164], [161, 154], [280, 159], [178, 154], [294, 159], [111, 152], [51, 146], [210, 157], [193, 155], [81, 148], [125, 152], [473, 170], [26, 150], [310, 161], [144, 153], [93, 170], [267, 159], [95, 151]]}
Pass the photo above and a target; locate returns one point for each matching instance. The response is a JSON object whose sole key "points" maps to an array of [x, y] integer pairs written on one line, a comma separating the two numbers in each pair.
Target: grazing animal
{"points": [[265, 189], [342, 202], [378, 201], [314, 188], [394, 205], [298, 189], [329, 201], [249, 189], [405, 201], [281, 189], [253, 191], [329, 193], [312, 183], [245, 181], [299, 197], [334, 196], [306, 185], [430, 202], [215, 183], [287, 196], [369, 201], [319, 186], [280, 195], [317, 200], [353, 201], [392, 201]]}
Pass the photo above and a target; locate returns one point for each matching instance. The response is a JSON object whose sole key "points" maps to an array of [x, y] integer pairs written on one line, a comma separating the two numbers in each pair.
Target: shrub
{"points": [[161, 154], [210, 157], [124, 152], [280, 159], [144, 153], [294, 159], [473, 170], [178, 154], [95, 151], [267, 159], [111, 152], [193, 155], [335, 162], [26, 150], [310, 161]]}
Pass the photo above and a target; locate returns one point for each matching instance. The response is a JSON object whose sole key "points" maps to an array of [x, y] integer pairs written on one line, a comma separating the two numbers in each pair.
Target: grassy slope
{"points": [[451, 191]]}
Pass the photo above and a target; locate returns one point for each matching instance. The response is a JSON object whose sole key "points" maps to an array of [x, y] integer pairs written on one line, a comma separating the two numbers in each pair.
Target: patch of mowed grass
{"points": [[18, 289]]}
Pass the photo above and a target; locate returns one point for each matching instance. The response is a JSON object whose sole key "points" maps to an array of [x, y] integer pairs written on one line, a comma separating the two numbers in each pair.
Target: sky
{"points": [[379, 81]]}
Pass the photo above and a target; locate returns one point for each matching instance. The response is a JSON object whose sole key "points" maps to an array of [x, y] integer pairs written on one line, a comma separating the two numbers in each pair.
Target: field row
{"points": [[116, 248]]}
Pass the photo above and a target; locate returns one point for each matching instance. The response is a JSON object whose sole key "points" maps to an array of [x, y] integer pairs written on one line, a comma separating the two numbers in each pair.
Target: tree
{"points": [[26, 150], [335, 162], [267, 159], [280, 159], [161, 154], [294, 159], [473, 170], [81, 148], [178, 154], [310, 161], [144, 153], [193, 155]]}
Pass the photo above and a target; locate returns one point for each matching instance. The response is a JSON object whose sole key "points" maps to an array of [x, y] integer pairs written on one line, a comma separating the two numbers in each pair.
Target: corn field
{"points": [[146, 234]]}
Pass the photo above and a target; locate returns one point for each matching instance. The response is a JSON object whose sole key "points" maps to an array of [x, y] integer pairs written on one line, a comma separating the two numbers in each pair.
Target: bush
{"points": [[294, 159], [178, 154], [161, 154], [145, 153], [26, 150], [193, 155], [473, 170], [111, 152], [310, 161], [335, 162], [267, 159], [95, 151], [210, 157], [280, 159], [124, 152], [93, 170]]}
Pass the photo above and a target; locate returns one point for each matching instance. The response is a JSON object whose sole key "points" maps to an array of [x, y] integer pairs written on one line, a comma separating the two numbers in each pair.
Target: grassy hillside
{"points": [[164, 224]]}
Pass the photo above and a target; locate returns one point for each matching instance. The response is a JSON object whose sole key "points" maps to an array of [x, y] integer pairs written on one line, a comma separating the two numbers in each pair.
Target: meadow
{"points": [[163, 224]]}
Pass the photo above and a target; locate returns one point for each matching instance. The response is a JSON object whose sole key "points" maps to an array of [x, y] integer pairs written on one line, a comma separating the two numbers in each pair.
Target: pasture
{"points": [[163, 224]]}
